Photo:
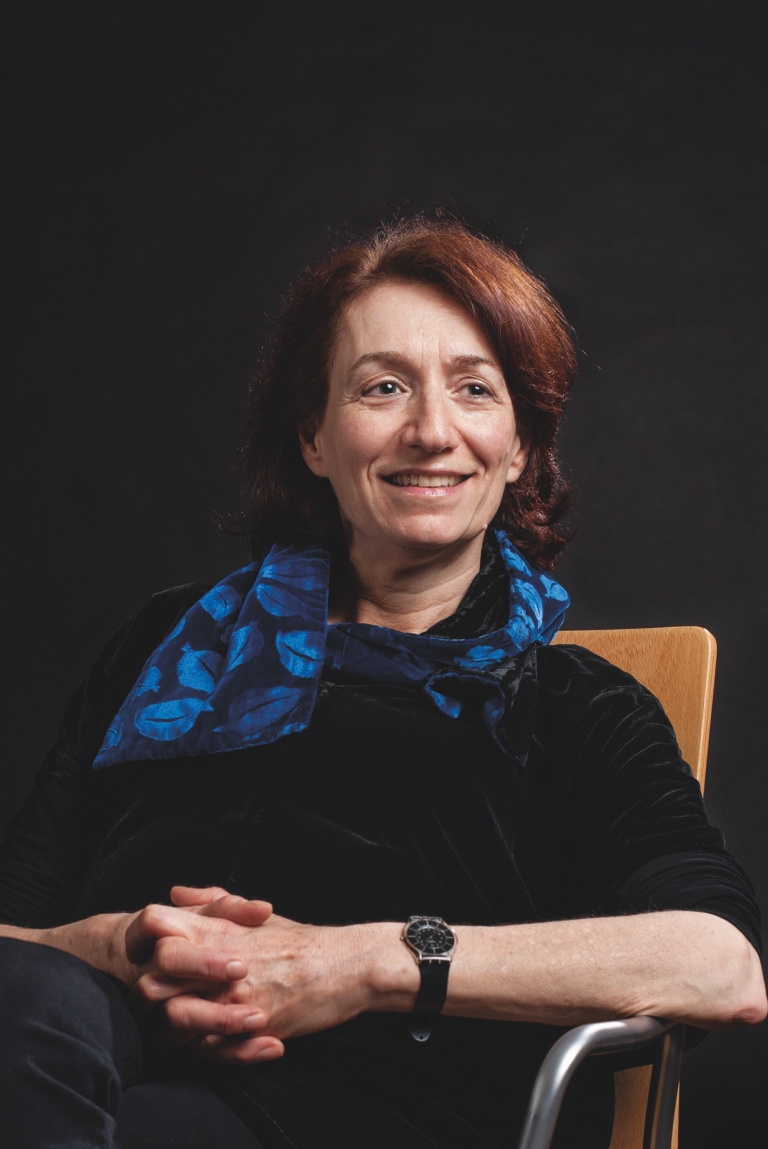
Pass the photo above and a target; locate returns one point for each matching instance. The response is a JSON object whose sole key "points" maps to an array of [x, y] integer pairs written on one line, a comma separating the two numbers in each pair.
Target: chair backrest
{"points": [[677, 664]]}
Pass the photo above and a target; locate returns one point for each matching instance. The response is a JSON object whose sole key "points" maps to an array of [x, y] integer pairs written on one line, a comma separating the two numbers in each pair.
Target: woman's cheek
{"points": [[495, 444]]}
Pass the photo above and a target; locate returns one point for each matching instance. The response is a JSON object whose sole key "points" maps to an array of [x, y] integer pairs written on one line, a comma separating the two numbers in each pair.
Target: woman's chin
{"points": [[430, 531]]}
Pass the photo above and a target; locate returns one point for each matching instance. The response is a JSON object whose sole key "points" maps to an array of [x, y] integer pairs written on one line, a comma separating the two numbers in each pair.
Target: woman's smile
{"points": [[425, 483]]}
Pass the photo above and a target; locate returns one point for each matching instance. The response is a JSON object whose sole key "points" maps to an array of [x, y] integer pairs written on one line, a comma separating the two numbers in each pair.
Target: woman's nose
{"points": [[430, 426]]}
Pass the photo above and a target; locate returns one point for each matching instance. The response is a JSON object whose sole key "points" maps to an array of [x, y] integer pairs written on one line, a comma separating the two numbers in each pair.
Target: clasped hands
{"points": [[230, 980]]}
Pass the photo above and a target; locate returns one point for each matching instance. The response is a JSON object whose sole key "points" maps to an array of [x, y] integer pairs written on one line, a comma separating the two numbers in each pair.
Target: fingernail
{"points": [[253, 1021], [236, 969]]}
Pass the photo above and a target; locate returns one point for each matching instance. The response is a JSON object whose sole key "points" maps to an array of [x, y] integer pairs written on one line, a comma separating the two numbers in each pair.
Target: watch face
{"points": [[430, 936]]}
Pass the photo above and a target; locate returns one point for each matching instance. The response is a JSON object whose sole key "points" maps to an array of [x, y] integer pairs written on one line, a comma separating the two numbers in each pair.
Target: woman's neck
{"points": [[403, 590]]}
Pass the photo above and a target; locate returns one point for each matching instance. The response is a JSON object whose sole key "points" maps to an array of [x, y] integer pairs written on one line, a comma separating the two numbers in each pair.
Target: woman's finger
{"points": [[178, 957], [190, 1015], [196, 896], [179, 966], [152, 989], [155, 921], [238, 1051], [238, 910], [213, 901]]}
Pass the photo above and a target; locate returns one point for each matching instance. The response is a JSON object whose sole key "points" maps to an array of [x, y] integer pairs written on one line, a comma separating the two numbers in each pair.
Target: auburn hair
{"points": [[522, 322]]}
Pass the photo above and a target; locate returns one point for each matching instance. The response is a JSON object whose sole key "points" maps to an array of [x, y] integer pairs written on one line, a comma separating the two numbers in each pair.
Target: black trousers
{"points": [[72, 1071]]}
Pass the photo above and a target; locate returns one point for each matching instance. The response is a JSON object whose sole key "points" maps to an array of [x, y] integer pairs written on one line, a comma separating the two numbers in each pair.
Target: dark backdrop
{"points": [[175, 165]]}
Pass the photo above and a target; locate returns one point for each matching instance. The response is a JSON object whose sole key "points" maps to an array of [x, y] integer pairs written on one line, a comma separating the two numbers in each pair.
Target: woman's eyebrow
{"points": [[390, 358], [395, 359], [473, 361]]}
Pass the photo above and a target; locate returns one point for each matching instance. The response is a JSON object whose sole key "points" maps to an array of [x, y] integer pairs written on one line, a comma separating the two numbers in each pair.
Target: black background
{"points": [[175, 165]]}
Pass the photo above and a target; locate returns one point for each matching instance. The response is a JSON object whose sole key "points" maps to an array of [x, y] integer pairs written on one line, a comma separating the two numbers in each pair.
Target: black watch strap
{"points": [[434, 985], [431, 996]]}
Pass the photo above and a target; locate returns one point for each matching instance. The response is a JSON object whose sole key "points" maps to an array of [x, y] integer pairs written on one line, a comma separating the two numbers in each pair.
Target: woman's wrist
{"points": [[98, 940], [388, 975]]}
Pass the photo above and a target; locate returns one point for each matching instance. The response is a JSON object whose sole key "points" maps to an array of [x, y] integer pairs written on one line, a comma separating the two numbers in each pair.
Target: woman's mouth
{"points": [[421, 480]]}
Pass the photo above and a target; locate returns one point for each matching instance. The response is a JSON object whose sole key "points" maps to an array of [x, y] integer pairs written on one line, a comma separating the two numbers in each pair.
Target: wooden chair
{"points": [[677, 664]]}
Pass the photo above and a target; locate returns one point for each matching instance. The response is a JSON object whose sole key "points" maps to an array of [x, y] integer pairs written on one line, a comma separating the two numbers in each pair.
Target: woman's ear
{"points": [[311, 450], [519, 457]]}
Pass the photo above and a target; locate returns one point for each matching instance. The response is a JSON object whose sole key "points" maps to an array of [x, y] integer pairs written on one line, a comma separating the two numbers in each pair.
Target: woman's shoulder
{"points": [[577, 664], [575, 678], [111, 676], [164, 608]]}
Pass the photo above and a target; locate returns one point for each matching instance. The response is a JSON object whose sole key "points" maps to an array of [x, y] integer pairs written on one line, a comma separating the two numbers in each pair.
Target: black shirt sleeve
{"points": [[711, 883], [631, 829], [48, 843]]}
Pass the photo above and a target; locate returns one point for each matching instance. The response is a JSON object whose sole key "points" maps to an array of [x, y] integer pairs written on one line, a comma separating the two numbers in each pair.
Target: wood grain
{"points": [[677, 664]]}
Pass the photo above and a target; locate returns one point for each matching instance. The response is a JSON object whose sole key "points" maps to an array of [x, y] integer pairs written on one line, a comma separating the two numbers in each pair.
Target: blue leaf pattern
{"points": [[553, 589], [520, 631], [512, 557], [166, 721], [149, 679], [221, 601], [301, 651], [254, 647], [279, 602], [479, 656], [199, 669], [246, 642], [288, 574], [531, 598], [255, 709]]}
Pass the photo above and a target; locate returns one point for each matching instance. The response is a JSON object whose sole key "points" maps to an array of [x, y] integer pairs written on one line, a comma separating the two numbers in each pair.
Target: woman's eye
{"points": [[386, 387], [477, 390]]}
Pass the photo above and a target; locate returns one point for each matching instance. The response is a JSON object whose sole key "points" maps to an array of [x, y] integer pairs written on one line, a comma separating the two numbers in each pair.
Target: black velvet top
{"points": [[382, 808]]}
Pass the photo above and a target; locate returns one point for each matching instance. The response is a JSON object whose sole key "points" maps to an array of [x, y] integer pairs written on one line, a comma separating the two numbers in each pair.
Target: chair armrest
{"points": [[573, 1047]]}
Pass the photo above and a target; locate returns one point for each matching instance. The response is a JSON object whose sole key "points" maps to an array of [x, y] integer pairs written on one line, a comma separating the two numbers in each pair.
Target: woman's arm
{"points": [[99, 940], [688, 966]]}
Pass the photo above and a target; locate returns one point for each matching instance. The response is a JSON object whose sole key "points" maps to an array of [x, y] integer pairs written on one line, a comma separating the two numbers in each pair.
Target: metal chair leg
{"points": [[573, 1047], [662, 1097]]}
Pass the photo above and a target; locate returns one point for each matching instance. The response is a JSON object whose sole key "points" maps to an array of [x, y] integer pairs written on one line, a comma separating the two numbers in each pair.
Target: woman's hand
{"points": [[223, 969], [170, 968]]}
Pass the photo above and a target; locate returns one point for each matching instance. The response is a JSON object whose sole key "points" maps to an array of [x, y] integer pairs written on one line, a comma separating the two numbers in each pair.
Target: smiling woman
{"points": [[386, 316], [367, 729], [419, 441]]}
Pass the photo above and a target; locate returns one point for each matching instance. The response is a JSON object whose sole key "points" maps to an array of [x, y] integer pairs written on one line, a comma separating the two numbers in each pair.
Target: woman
{"points": [[363, 727]]}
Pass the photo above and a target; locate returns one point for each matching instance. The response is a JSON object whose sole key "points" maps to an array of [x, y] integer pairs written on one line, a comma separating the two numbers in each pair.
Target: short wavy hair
{"points": [[522, 322]]}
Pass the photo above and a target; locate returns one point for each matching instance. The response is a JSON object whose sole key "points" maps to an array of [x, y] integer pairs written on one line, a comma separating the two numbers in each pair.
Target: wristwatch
{"points": [[432, 943]]}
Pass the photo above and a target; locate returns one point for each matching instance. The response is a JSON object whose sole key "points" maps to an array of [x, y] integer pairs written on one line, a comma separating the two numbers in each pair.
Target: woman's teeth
{"points": [[425, 480]]}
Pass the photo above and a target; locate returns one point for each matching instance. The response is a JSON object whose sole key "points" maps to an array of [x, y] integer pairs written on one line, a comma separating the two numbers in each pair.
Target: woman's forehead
{"points": [[408, 320]]}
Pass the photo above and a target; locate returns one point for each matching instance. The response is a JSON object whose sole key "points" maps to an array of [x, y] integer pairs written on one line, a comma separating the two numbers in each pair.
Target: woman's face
{"points": [[418, 438]]}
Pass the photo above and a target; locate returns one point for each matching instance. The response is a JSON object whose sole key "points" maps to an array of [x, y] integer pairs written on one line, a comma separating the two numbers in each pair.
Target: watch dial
{"points": [[430, 937]]}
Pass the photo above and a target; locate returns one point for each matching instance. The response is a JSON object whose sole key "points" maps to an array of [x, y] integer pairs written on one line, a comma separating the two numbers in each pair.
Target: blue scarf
{"points": [[243, 666]]}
